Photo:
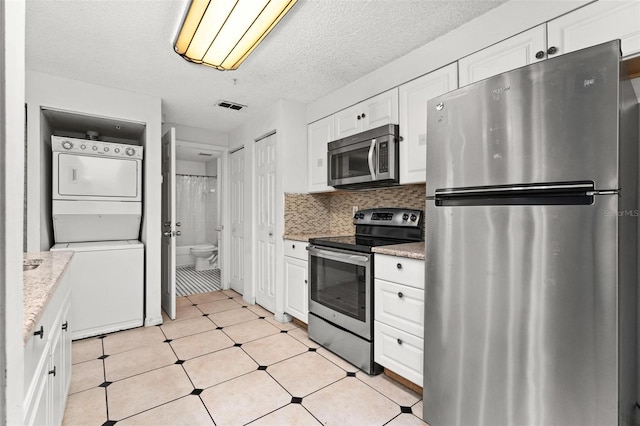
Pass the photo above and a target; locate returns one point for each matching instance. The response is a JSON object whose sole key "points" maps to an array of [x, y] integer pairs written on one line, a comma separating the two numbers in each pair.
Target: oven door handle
{"points": [[372, 169], [356, 259]]}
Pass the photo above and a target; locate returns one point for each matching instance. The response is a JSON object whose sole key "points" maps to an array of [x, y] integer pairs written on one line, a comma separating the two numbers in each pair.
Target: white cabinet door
{"points": [[296, 288], [348, 121], [597, 23], [413, 119], [509, 54], [319, 133], [380, 110]]}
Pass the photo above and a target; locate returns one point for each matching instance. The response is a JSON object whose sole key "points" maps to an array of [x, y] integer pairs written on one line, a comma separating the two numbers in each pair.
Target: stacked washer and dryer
{"points": [[97, 212]]}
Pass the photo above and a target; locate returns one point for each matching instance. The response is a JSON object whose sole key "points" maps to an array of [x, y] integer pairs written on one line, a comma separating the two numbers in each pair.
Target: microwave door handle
{"points": [[372, 169]]}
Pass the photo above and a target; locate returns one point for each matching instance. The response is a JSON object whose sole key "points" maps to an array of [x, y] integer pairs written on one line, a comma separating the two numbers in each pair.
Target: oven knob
{"points": [[405, 217], [83, 146], [356, 216], [413, 217], [95, 148], [361, 216], [117, 150], [130, 151], [67, 145], [106, 149]]}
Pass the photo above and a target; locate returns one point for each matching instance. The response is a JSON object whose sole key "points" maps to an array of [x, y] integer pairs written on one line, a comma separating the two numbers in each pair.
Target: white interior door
{"points": [[265, 162], [168, 225], [236, 177]]}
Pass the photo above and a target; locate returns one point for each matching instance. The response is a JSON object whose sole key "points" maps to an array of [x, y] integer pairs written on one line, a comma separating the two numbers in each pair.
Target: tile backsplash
{"points": [[332, 212]]}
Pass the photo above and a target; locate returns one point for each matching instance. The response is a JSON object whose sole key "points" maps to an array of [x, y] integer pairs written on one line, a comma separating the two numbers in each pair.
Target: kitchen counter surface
{"points": [[410, 250], [306, 237], [40, 284]]}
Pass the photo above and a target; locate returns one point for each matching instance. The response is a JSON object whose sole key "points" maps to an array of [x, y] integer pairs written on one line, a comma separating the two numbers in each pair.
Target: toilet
{"points": [[206, 256]]}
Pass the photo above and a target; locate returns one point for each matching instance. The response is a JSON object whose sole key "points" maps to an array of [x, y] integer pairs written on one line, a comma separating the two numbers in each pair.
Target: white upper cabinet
{"points": [[319, 133], [515, 52], [597, 23], [374, 112], [413, 119]]}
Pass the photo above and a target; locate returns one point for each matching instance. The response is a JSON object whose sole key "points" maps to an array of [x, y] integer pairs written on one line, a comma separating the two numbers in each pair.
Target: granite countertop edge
{"points": [[40, 284], [409, 250], [306, 237]]}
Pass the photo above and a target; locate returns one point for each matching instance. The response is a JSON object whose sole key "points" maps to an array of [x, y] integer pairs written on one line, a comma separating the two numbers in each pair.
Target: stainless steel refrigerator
{"points": [[531, 215]]}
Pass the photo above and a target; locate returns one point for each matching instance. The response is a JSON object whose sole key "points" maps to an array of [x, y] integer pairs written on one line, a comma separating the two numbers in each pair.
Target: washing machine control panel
{"points": [[98, 148]]}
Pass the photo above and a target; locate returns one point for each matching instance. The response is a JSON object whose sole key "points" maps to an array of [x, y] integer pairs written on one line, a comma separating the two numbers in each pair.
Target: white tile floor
{"points": [[222, 362]]}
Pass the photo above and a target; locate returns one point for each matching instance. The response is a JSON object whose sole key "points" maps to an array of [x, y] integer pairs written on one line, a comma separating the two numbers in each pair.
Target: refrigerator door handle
{"points": [[608, 192], [564, 187]]}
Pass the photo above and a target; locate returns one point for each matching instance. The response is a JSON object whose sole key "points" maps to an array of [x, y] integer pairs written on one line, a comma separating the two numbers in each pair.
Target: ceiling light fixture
{"points": [[222, 33]]}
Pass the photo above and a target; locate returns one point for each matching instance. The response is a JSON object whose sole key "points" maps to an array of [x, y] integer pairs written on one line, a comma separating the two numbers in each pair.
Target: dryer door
{"points": [[82, 177]]}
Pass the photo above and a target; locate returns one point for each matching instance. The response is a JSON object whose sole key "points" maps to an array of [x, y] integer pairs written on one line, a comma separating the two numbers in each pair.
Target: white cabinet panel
{"points": [[297, 249], [374, 112], [597, 23], [413, 97], [509, 54], [297, 293], [319, 134], [398, 351], [401, 270], [348, 121], [400, 306]]}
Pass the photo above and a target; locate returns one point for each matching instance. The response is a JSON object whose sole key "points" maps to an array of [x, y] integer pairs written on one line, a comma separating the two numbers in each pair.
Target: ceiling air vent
{"points": [[230, 105]]}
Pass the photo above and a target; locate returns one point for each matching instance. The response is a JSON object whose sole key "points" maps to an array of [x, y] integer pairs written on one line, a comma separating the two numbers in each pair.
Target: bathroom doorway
{"points": [[200, 215]]}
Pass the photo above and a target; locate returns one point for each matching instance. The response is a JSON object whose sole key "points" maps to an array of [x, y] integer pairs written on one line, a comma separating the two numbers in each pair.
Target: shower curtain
{"points": [[196, 209]]}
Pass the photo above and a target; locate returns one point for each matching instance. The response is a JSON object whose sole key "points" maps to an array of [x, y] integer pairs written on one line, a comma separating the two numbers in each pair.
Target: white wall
{"points": [[44, 90], [498, 24], [197, 134], [184, 167], [12, 50]]}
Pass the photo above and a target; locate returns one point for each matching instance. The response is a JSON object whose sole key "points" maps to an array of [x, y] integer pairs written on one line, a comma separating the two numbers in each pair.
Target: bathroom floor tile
{"points": [[86, 375], [148, 390], [252, 330], [207, 297], [130, 339], [219, 306], [274, 348], [200, 344], [85, 350], [86, 408], [235, 316], [244, 399], [185, 411], [139, 360], [211, 369], [350, 402], [306, 373], [187, 327], [292, 414]]}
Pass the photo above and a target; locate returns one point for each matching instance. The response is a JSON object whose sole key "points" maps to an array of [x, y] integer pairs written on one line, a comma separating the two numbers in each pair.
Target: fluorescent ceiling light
{"points": [[222, 33]]}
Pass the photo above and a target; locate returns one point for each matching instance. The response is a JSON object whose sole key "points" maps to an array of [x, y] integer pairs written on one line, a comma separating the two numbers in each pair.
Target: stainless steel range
{"points": [[341, 271]]}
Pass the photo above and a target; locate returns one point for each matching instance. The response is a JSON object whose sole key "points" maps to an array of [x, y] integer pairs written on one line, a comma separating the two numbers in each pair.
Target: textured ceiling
{"points": [[320, 46]]}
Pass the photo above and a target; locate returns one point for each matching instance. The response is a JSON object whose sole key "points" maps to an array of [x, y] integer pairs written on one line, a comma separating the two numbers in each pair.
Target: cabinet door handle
{"points": [[399, 266], [399, 341], [65, 326], [39, 332], [363, 116], [305, 281], [400, 295], [359, 117], [539, 54], [53, 371], [293, 246], [552, 50]]}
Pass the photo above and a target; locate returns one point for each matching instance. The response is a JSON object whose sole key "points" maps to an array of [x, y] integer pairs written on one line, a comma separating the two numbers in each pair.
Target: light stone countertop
{"points": [[410, 250], [40, 284], [306, 237]]}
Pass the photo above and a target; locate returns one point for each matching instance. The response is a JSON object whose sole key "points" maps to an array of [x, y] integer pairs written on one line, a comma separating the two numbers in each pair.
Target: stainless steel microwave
{"points": [[365, 160]]}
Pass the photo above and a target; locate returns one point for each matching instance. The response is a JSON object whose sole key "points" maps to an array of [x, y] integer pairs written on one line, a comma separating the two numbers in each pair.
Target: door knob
{"points": [[166, 233], [270, 234]]}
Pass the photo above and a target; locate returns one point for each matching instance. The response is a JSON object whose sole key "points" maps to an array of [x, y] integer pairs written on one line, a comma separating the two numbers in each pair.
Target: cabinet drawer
{"points": [[297, 249], [398, 351], [400, 306], [401, 270]]}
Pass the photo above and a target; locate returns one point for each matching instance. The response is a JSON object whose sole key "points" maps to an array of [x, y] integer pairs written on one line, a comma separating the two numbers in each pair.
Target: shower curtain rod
{"points": [[181, 174]]}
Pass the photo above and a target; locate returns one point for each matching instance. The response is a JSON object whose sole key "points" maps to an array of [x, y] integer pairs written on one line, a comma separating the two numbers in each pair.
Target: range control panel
{"points": [[389, 217], [98, 148]]}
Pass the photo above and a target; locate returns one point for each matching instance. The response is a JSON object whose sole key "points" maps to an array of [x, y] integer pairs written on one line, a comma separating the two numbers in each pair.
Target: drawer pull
{"points": [[400, 295], [293, 246], [399, 341], [53, 371], [65, 326], [399, 265], [305, 281], [39, 332]]}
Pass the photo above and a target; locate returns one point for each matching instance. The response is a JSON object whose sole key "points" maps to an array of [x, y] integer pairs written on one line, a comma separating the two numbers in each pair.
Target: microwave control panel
{"points": [[383, 157]]}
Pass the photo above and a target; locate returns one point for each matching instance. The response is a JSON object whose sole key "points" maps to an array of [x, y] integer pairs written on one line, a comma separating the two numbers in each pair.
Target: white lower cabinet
{"points": [[295, 280], [398, 325], [48, 362]]}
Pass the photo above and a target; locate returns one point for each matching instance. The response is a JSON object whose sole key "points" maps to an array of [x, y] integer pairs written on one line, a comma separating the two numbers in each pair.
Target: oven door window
{"points": [[340, 286]]}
